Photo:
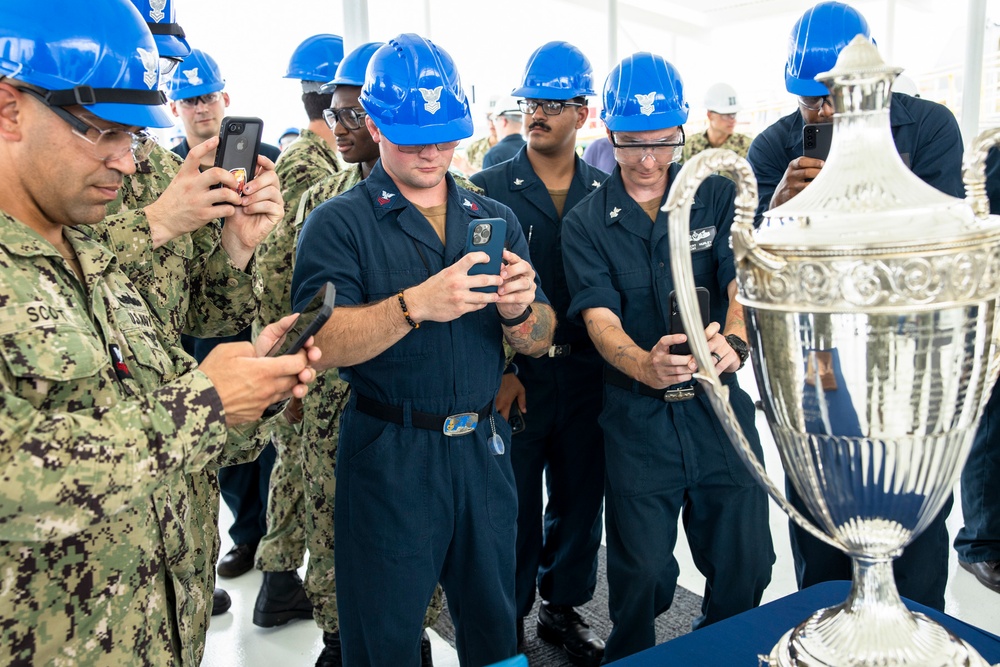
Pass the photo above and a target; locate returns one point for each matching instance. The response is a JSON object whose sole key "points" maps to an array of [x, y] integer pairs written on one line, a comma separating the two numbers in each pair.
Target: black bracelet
{"points": [[406, 311], [513, 322]]}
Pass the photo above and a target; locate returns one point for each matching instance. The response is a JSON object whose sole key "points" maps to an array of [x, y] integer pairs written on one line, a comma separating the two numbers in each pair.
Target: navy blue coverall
{"points": [[928, 139], [667, 459], [562, 438], [979, 539], [414, 506]]}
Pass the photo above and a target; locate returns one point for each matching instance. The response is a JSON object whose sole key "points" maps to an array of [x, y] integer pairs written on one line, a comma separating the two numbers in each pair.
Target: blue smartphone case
{"points": [[487, 235]]}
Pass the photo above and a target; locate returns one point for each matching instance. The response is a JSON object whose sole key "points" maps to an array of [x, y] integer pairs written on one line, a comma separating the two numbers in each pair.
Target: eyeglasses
{"points": [[109, 144], [206, 99], [815, 103], [349, 119], [663, 151], [549, 107], [726, 116], [414, 149], [167, 67]]}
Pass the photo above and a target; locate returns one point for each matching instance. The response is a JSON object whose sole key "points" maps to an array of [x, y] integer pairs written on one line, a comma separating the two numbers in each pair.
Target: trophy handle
{"points": [[678, 206], [974, 171]]}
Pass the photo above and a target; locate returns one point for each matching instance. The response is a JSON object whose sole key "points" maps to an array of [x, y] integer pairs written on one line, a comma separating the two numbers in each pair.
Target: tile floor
{"points": [[233, 640]]}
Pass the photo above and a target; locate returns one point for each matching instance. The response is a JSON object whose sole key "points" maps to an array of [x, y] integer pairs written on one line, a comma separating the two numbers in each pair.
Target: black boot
{"points": [[330, 656], [426, 659], [221, 602], [563, 626], [281, 599]]}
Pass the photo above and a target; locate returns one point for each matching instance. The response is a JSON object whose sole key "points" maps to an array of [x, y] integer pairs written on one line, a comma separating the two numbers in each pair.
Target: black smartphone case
{"points": [[677, 326], [492, 245], [816, 140], [239, 144]]}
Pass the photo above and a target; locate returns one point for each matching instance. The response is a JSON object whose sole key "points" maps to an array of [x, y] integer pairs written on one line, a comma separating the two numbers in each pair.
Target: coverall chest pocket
{"points": [[41, 357]]}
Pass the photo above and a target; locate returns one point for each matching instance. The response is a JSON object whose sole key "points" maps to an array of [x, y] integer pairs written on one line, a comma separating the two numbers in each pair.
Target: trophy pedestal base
{"points": [[826, 639]]}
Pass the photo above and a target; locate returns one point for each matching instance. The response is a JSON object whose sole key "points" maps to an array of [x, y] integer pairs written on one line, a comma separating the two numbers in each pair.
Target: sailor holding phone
{"points": [[425, 490]]}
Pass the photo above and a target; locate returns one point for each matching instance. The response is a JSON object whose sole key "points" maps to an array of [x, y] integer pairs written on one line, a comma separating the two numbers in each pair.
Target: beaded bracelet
{"points": [[406, 311]]}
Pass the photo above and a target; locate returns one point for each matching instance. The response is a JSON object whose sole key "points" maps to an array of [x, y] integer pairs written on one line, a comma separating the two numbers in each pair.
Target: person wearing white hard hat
{"points": [[508, 120], [723, 104]]}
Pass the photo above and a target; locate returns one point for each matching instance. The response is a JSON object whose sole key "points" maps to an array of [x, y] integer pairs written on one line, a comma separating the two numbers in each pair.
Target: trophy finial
{"points": [[859, 60]]}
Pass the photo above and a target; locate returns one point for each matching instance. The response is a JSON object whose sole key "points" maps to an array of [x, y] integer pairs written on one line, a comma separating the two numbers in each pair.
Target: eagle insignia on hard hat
{"points": [[151, 63], [192, 76], [156, 9], [646, 103], [431, 97]]}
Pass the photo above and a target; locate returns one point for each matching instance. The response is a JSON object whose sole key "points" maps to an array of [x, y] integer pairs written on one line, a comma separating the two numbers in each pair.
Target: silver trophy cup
{"points": [[871, 300]]}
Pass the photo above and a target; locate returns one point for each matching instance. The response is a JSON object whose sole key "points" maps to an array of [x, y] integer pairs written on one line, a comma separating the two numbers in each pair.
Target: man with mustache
{"points": [[560, 393]]}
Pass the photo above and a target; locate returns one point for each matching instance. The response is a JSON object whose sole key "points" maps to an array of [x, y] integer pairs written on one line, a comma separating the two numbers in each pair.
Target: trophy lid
{"points": [[865, 197]]}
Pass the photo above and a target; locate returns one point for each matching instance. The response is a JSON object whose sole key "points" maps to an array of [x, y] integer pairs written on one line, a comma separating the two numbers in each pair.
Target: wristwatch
{"points": [[739, 347]]}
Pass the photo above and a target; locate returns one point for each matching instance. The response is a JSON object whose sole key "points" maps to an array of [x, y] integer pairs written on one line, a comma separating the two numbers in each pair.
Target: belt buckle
{"points": [[678, 395], [460, 424], [556, 351]]}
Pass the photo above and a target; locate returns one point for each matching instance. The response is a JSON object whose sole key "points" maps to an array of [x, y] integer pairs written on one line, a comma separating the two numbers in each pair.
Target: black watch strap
{"points": [[514, 321], [740, 347]]}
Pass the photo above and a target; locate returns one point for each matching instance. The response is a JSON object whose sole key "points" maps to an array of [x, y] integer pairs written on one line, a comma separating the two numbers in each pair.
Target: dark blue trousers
{"points": [[563, 440], [244, 488], [979, 538], [921, 571], [415, 507], [670, 459]]}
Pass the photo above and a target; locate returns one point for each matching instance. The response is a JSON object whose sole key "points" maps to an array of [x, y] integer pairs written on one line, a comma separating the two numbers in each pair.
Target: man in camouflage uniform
{"points": [[200, 280], [99, 409], [722, 104], [306, 161]]}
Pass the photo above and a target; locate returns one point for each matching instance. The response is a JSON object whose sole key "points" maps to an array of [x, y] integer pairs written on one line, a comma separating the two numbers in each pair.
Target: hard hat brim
{"points": [[140, 115], [171, 46], [805, 87], [730, 109], [407, 135], [640, 123], [540, 93], [196, 91]]}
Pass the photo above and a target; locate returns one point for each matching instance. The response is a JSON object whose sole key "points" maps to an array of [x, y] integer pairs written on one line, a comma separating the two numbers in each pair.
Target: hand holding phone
{"points": [[487, 235], [239, 144], [677, 325], [515, 419]]}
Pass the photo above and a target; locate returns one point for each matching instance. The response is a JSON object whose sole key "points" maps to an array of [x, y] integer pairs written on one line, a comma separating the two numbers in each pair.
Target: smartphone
{"points": [[487, 235], [515, 419], [239, 143], [816, 138], [310, 320], [677, 326]]}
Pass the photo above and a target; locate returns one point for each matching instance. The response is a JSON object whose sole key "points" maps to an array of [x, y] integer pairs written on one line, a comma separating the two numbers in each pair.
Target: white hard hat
{"points": [[904, 84], [506, 104], [721, 98]]}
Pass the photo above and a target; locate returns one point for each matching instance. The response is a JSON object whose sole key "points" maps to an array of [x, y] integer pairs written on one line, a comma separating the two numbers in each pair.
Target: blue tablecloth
{"points": [[737, 641]]}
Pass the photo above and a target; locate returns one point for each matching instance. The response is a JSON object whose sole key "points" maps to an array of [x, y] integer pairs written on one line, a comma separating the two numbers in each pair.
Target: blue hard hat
{"points": [[316, 58], [413, 94], [105, 61], [161, 18], [197, 75], [644, 92], [556, 71], [815, 42], [351, 70]]}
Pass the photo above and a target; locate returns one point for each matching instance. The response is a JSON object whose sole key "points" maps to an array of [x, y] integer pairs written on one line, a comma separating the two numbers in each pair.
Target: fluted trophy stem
{"points": [[678, 206], [974, 171]]}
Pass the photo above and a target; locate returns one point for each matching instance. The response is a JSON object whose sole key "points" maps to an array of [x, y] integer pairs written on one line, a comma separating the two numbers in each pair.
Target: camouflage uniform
{"points": [[84, 445], [738, 143], [476, 151], [190, 286], [305, 162]]}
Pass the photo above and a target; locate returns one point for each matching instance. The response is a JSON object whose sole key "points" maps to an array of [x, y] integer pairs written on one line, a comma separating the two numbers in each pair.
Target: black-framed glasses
{"points": [[109, 144], [206, 99], [549, 107], [350, 119], [663, 151], [413, 149], [815, 103]]}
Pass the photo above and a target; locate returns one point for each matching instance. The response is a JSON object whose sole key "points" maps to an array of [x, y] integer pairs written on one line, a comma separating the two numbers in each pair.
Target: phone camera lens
{"points": [[234, 127]]}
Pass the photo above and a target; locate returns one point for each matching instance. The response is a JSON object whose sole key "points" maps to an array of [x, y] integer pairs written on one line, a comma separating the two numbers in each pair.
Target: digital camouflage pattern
{"points": [[738, 143], [476, 151], [308, 160], [82, 560], [190, 286]]}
